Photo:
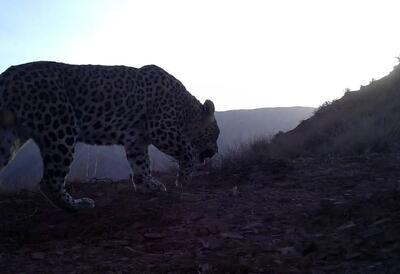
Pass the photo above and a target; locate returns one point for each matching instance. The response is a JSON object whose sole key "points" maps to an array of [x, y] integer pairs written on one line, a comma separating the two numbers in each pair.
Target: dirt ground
{"points": [[318, 216]]}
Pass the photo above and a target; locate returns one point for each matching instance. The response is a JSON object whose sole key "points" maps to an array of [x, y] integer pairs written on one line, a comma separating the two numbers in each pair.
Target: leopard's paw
{"points": [[84, 203], [151, 186]]}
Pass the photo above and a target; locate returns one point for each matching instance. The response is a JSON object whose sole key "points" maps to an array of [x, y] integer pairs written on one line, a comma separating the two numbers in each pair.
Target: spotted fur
{"points": [[59, 104]]}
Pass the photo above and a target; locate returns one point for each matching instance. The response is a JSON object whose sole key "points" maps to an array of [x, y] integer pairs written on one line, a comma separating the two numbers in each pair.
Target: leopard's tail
{"points": [[9, 140]]}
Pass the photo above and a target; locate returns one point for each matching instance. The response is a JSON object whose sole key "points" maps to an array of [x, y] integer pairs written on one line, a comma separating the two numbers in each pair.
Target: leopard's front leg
{"points": [[184, 155], [184, 175], [142, 179]]}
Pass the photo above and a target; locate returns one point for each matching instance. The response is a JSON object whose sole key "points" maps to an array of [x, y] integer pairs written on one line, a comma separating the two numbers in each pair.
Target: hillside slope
{"points": [[362, 121]]}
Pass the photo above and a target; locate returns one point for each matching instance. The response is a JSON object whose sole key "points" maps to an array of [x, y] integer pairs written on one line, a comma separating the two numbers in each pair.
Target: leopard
{"points": [[58, 105]]}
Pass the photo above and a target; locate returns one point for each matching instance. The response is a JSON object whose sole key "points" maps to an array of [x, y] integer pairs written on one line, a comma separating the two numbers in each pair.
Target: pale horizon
{"points": [[240, 54]]}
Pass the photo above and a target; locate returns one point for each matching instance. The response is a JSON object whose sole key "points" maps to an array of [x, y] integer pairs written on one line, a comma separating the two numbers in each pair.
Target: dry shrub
{"points": [[246, 159]]}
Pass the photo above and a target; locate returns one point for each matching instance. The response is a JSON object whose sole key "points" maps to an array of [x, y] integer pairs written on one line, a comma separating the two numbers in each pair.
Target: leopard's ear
{"points": [[208, 114], [206, 118], [209, 108]]}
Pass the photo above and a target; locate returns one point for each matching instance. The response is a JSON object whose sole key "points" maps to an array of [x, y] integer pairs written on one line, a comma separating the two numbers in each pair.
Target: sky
{"points": [[240, 54]]}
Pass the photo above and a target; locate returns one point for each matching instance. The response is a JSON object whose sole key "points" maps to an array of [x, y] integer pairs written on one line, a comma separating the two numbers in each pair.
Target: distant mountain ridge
{"points": [[238, 126]]}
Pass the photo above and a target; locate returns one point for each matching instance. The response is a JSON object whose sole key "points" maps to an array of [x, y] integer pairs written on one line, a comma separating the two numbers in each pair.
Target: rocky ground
{"points": [[303, 216]]}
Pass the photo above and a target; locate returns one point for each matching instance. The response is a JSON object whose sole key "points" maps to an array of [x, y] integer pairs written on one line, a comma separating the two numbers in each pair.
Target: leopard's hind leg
{"points": [[57, 157], [56, 142]]}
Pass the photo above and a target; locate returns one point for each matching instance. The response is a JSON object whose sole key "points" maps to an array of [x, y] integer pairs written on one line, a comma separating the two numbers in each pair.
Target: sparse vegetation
{"points": [[346, 91], [250, 161], [244, 155]]}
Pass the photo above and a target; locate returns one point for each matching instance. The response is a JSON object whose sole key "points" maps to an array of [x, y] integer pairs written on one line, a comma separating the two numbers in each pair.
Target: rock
{"points": [[153, 235], [38, 255], [231, 235], [352, 255], [202, 231], [115, 243], [213, 225], [235, 191], [251, 226], [289, 251], [346, 226], [204, 268], [381, 221], [211, 242]]}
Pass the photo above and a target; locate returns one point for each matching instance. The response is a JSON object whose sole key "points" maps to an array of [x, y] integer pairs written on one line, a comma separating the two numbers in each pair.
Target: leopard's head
{"points": [[204, 133]]}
